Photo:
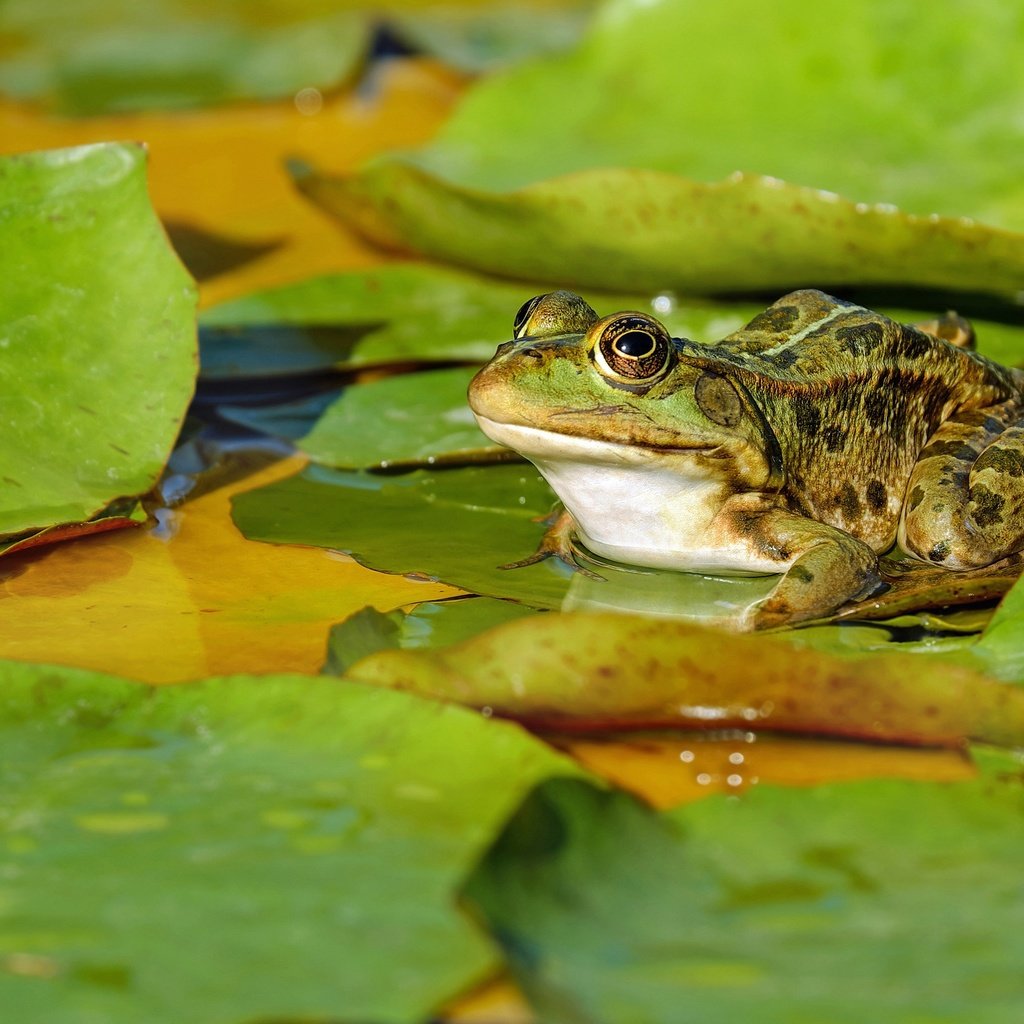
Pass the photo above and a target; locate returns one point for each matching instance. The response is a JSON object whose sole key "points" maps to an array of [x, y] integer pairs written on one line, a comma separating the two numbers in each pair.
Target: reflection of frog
{"points": [[804, 443]]}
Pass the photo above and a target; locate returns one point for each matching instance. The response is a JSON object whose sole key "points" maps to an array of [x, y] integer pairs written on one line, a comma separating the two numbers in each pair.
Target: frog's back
{"points": [[853, 397]]}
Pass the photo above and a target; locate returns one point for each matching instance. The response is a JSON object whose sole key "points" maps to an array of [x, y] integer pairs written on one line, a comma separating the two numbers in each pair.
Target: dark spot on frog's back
{"points": [[774, 320], [1007, 461], [988, 506], [960, 450], [860, 339], [848, 502], [808, 419], [876, 495], [914, 343], [877, 405], [833, 438]]}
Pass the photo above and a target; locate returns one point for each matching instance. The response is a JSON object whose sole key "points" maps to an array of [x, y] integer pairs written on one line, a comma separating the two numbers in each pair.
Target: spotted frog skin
{"points": [[805, 443]]}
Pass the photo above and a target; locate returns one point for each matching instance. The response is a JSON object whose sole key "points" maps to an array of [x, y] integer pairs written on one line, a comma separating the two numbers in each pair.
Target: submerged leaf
{"points": [[303, 835], [97, 324], [882, 900], [587, 672]]}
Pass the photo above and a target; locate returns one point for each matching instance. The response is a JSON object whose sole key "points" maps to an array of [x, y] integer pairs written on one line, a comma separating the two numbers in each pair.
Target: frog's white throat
{"points": [[634, 504]]}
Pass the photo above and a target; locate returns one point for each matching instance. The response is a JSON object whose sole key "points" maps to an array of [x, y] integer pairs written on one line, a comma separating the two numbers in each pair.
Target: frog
{"points": [[805, 444]]}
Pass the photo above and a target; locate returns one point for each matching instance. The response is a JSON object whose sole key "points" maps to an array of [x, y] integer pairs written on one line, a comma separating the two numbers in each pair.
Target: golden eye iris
{"points": [[632, 347]]}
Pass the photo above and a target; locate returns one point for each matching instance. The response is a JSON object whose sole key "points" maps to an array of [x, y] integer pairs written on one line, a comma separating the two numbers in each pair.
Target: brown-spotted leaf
{"points": [[618, 228], [591, 672]]}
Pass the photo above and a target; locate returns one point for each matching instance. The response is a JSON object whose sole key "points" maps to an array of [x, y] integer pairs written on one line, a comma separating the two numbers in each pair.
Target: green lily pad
{"points": [[688, 147], [116, 55], [728, 88], [610, 672], [883, 901], [469, 522], [617, 228], [427, 625], [98, 333], [409, 418], [406, 313], [277, 847]]}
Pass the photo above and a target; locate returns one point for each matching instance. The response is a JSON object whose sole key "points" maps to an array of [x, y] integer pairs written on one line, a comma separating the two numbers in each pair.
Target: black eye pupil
{"points": [[636, 344]]}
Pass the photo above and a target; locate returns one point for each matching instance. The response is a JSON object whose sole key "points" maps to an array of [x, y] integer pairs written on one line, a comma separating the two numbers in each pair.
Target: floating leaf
{"points": [[882, 900], [593, 194], [303, 835], [470, 523], [97, 327], [406, 312], [114, 55], [649, 230], [586, 672], [929, 135], [409, 418]]}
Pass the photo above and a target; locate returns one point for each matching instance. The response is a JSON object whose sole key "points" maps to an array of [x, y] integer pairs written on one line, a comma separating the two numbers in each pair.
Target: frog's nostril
{"points": [[531, 352]]}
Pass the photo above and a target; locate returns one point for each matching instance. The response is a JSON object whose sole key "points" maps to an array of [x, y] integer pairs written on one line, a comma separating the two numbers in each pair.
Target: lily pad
{"points": [[470, 522], [116, 55], [615, 228], [98, 332], [882, 900], [592, 672], [407, 313], [719, 187], [302, 835], [407, 419]]}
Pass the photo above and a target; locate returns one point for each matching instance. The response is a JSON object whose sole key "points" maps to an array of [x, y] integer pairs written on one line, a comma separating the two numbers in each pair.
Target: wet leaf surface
{"points": [[593, 672], [882, 900], [97, 331], [251, 815]]}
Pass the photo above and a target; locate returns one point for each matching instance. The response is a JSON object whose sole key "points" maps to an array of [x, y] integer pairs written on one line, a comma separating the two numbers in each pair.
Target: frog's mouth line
{"points": [[536, 441]]}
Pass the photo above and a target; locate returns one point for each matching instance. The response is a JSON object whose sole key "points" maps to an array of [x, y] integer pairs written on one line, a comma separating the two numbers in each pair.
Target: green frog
{"points": [[805, 443]]}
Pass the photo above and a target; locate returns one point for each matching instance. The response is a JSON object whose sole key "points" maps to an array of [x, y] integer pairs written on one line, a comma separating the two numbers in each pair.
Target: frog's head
{"points": [[619, 389]]}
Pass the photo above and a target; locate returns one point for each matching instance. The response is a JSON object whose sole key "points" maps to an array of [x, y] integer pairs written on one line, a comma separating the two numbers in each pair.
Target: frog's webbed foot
{"points": [[557, 543], [951, 327], [831, 567]]}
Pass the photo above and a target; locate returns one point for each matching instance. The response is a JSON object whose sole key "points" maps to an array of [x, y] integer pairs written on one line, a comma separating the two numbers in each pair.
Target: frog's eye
{"points": [[523, 316], [545, 316], [632, 348]]}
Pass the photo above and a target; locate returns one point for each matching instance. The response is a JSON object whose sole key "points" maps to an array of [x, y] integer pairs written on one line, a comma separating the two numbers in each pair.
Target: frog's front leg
{"points": [[556, 543], [965, 499], [826, 567]]}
